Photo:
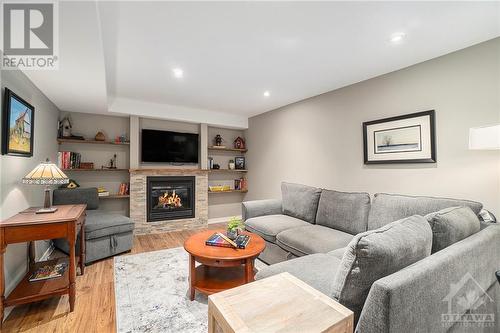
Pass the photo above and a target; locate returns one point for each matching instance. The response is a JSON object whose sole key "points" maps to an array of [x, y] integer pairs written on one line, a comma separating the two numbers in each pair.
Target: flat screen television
{"points": [[169, 147]]}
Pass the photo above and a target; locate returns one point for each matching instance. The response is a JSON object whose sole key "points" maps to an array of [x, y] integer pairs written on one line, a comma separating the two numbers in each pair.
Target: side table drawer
{"points": [[30, 233]]}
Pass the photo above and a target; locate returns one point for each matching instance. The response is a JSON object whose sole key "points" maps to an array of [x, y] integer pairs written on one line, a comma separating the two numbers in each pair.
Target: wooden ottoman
{"points": [[280, 303]]}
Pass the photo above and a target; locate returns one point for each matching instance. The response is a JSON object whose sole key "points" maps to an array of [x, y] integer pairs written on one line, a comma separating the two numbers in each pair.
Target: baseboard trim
{"points": [[221, 219]]}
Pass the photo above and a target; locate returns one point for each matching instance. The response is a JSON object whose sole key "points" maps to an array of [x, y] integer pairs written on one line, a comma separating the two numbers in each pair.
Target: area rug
{"points": [[151, 293]]}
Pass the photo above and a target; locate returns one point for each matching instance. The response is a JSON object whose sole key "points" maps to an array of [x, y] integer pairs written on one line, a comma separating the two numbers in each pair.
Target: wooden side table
{"points": [[221, 267], [280, 303], [28, 226]]}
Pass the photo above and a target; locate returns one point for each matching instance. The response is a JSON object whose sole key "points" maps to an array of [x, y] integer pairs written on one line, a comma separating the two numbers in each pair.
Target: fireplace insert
{"points": [[170, 198]]}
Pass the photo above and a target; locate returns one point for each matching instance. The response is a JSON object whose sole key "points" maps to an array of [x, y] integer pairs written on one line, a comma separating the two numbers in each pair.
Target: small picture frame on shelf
{"points": [[239, 162]]}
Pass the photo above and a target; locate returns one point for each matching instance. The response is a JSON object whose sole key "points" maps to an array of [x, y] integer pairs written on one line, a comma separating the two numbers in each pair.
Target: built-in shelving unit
{"points": [[102, 169], [93, 142], [230, 191], [212, 148], [227, 170], [116, 196]]}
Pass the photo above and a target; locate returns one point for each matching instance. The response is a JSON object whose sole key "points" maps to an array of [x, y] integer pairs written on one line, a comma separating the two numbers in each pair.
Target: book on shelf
{"points": [[68, 160], [217, 240], [102, 192], [124, 189], [48, 271]]}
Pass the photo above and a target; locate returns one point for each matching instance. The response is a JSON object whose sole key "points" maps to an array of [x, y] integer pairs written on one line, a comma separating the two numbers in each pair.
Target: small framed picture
{"points": [[239, 163], [18, 125], [408, 138]]}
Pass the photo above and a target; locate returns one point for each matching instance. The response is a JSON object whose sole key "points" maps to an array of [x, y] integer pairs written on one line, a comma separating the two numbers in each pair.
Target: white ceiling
{"points": [[118, 56]]}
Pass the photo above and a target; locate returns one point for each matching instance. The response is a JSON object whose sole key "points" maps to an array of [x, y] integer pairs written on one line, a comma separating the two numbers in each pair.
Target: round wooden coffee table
{"points": [[221, 268]]}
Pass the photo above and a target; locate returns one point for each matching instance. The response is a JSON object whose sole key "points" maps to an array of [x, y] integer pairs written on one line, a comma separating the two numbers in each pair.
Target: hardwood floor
{"points": [[95, 295]]}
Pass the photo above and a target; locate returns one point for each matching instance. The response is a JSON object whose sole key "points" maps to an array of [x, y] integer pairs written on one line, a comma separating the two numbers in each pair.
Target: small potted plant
{"points": [[231, 165], [234, 227]]}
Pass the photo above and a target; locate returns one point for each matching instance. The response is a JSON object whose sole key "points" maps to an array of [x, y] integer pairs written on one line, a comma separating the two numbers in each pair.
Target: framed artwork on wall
{"points": [[240, 162], [18, 124], [409, 138]]}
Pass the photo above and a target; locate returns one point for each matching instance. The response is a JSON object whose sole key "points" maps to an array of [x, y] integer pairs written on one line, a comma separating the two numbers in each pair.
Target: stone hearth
{"points": [[138, 198]]}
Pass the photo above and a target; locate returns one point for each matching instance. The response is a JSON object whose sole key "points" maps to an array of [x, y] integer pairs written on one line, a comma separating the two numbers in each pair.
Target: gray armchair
{"points": [[106, 234]]}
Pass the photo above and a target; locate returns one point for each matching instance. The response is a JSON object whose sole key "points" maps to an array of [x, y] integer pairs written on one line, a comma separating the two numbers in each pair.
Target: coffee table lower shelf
{"points": [[210, 279]]}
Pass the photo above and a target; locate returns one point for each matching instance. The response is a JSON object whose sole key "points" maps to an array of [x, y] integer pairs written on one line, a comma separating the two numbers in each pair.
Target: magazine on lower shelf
{"points": [[48, 271]]}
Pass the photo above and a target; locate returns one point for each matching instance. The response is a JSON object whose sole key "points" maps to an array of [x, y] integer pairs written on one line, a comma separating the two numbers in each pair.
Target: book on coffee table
{"points": [[217, 240]]}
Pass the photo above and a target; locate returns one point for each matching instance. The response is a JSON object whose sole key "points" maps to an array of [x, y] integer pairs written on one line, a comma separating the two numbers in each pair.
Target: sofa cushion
{"points": [[451, 225], [312, 239], [377, 253], [338, 253], [99, 224], [269, 226], [300, 201], [316, 270], [67, 196], [343, 211], [386, 208]]}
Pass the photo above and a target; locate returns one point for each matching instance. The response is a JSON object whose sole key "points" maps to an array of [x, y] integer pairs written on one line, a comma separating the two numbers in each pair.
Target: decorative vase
{"points": [[231, 166], [232, 234]]}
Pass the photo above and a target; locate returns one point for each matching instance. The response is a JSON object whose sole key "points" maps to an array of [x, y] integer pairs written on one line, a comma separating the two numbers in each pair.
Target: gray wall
{"points": [[15, 196], [318, 141]]}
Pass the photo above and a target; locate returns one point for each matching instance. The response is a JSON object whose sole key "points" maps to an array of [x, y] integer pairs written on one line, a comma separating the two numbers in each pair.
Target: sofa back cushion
{"points": [[65, 196], [377, 253], [300, 201], [344, 211], [386, 208], [451, 225]]}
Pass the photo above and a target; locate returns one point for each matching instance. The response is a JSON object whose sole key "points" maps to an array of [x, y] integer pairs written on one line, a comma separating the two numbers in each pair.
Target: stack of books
{"points": [[124, 189], [102, 192], [69, 160], [221, 240]]}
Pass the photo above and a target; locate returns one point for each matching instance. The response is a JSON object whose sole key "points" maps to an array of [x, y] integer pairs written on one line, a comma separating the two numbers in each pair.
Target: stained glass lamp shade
{"points": [[46, 173]]}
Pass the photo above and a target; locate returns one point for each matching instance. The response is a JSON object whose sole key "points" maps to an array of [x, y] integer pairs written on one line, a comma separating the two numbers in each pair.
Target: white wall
{"points": [[318, 141], [15, 196]]}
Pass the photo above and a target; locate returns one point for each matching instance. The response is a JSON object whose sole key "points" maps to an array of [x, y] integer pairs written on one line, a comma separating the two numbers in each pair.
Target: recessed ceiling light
{"points": [[397, 37], [178, 72], [267, 93]]}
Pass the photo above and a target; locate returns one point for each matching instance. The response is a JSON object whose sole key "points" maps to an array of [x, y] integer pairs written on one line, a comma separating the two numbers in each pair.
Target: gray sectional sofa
{"points": [[397, 261]]}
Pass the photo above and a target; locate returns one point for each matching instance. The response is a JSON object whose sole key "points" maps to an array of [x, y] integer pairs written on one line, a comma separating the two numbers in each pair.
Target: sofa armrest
{"points": [[260, 207]]}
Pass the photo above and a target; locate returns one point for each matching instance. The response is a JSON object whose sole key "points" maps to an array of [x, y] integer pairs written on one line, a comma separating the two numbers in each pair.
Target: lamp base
{"points": [[46, 210]]}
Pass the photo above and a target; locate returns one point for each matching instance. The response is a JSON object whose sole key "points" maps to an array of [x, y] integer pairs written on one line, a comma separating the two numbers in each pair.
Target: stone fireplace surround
{"points": [[138, 198]]}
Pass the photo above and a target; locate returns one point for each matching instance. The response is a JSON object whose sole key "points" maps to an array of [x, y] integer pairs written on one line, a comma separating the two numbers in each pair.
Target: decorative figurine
{"points": [[216, 166], [100, 136], [65, 127], [239, 143], [231, 165], [218, 140], [112, 162]]}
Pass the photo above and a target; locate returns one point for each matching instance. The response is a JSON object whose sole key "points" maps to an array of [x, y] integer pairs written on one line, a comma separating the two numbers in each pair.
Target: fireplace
{"points": [[170, 198]]}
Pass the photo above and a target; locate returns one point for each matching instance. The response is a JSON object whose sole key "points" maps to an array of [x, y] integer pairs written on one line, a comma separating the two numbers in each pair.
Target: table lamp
{"points": [[47, 174], [484, 138]]}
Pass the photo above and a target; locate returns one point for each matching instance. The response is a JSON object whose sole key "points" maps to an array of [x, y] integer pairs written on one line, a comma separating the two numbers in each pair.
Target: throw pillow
{"points": [[451, 225], [300, 201], [377, 253]]}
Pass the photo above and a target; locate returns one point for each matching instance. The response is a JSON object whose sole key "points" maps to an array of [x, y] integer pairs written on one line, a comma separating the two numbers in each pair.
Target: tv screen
{"points": [[172, 147]]}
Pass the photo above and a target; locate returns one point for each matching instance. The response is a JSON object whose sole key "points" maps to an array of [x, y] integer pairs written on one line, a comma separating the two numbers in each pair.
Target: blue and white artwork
{"points": [[398, 140]]}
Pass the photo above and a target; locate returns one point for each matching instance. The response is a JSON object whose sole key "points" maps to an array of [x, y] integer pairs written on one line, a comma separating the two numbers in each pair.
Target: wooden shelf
{"points": [[105, 170], [230, 191], [116, 196], [27, 291], [227, 149], [59, 141], [227, 170]]}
